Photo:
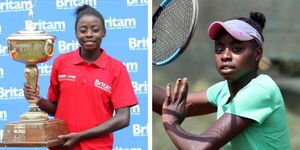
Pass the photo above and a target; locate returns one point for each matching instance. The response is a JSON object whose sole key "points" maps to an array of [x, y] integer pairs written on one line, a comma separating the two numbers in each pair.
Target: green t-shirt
{"points": [[261, 101]]}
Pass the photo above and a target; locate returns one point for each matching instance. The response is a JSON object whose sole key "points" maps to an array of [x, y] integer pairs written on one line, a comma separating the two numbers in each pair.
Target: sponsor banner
{"points": [[72, 4], [3, 49], [136, 3], [48, 26], [127, 148], [11, 93], [67, 46], [126, 40], [1, 72], [15, 5], [132, 67], [3, 115], [140, 87], [140, 129], [135, 110], [137, 44], [44, 69], [113, 23]]}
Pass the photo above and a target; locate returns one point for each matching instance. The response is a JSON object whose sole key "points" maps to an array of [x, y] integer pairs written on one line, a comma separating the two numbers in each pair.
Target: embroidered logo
{"points": [[102, 85], [62, 77]]}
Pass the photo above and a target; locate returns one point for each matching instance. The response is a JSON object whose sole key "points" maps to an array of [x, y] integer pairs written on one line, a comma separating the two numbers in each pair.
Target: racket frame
{"points": [[182, 48]]}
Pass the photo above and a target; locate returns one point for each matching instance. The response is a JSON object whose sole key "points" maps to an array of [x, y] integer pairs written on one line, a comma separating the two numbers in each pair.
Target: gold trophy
{"points": [[34, 129]]}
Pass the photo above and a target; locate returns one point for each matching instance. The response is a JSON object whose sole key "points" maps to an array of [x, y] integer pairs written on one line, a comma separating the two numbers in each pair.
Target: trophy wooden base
{"points": [[33, 133]]}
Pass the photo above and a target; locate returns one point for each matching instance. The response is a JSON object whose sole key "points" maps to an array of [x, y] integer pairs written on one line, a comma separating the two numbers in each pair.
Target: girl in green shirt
{"points": [[250, 108]]}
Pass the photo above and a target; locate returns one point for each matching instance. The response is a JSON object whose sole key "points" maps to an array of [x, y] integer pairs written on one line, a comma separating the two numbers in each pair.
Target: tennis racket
{"points": [[173, 25]]}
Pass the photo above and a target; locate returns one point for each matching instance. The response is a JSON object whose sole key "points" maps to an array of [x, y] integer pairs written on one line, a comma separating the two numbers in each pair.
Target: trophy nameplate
{"points": [[33, 134]]}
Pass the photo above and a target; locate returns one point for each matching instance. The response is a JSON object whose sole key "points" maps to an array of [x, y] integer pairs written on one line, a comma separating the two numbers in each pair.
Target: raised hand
{"points": [[174, 107]]}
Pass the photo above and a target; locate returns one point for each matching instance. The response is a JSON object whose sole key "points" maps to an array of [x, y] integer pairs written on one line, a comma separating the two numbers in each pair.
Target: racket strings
{"points": [[171, 29]]}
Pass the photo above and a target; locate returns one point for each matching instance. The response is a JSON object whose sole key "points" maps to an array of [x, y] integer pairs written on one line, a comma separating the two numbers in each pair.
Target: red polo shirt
{"points": [[88, 93]]}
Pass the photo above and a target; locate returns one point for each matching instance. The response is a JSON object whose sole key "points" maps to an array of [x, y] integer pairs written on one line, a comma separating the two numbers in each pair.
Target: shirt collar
{"points": [[100, 62]]}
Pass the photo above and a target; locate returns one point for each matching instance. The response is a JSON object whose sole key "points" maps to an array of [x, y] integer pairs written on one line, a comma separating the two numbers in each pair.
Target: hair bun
{"points": [[259, 18], [81, 8]]}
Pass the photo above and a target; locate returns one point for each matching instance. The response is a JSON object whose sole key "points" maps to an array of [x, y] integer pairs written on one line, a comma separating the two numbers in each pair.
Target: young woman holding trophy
{"points": [[86, 87]]}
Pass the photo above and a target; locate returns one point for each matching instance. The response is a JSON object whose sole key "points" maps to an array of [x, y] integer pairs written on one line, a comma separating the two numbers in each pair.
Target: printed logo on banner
{"points": [[127, 148], [120, 23], [1, 72], [135, 3], [14, 5], [3, 115], [3, 50], [0, 29], [11, 93], [131, 66], [71, 4], [135, 110], [44, 69], [139, 130], [140, 88], [64, 47], [135, 44], [48, 26]]}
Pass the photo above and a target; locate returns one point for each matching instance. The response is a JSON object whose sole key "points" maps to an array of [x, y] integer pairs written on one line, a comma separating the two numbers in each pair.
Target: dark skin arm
{"points": [[118, 121], [198, 103], [218, 134]]}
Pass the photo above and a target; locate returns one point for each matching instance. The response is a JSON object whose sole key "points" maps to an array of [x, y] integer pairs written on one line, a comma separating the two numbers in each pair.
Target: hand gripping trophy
{"points": [[34, 129]]}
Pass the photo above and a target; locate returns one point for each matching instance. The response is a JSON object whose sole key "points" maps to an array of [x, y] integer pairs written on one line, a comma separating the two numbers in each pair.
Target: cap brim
{"points": [[234, 31]]}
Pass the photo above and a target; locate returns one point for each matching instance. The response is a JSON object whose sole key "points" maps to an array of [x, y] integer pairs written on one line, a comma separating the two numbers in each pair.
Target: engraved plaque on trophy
{"points": [[34, 129]]}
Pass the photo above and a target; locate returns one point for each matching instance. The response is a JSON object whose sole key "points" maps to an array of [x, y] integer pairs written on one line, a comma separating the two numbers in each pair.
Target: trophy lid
{"points": [[30, 33]]}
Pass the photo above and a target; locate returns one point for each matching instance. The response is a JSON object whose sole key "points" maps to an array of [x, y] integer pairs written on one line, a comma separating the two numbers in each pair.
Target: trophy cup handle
{"points": [[49, 48]]}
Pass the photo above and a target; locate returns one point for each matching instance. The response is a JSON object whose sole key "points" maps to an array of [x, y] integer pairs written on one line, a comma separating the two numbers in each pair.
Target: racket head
{"points": [[173, 25]]}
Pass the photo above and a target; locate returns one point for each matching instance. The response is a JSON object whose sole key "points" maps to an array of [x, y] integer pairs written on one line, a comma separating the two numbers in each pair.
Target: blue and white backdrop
{"points": [[126, 40]]}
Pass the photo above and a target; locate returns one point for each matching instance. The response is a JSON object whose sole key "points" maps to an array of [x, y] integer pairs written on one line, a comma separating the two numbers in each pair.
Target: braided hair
{"points": [[257, 20]]}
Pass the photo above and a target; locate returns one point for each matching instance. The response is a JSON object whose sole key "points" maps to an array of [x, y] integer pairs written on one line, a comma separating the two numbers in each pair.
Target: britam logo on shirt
{"points": [[102, 85]]}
